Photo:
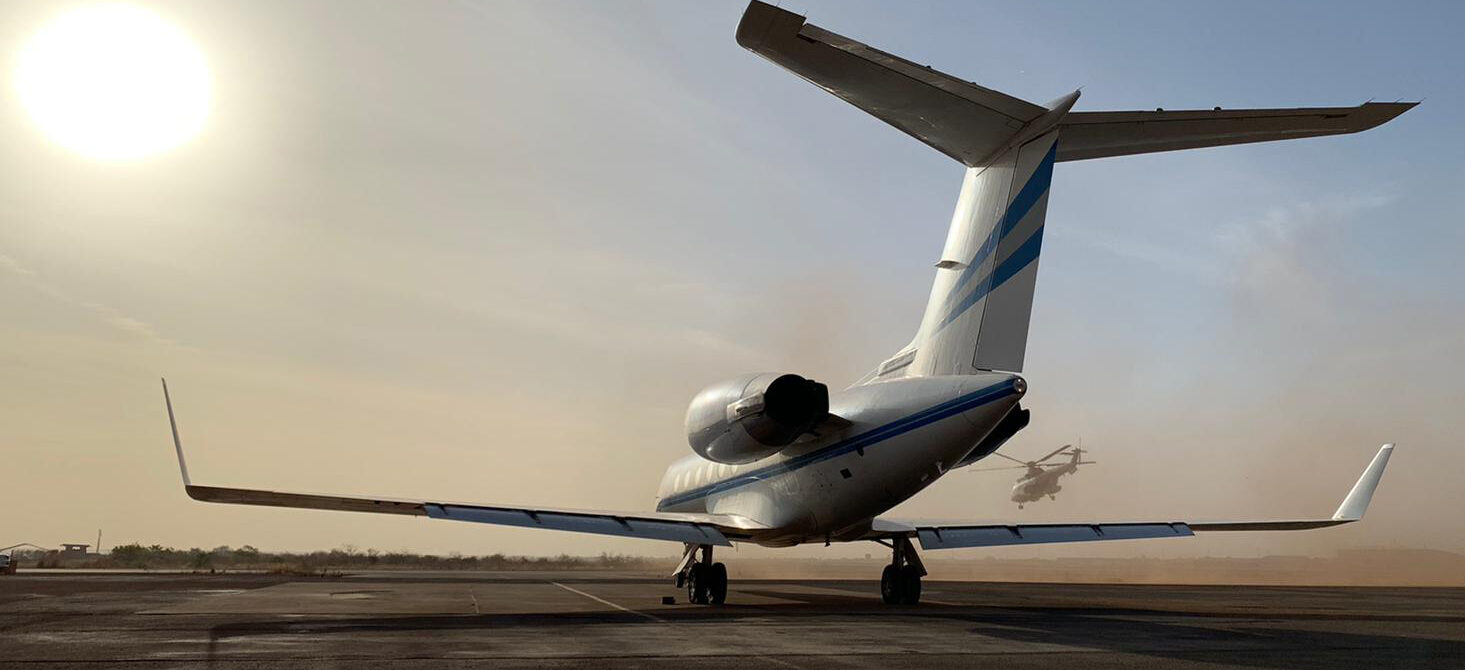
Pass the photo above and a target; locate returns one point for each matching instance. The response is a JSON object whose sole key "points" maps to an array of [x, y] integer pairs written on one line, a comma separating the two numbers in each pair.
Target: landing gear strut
{"points": [[900, 582], [705, 581]]}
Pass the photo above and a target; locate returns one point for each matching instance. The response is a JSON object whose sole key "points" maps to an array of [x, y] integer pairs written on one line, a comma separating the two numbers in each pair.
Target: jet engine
{"points": [[746, 418]]}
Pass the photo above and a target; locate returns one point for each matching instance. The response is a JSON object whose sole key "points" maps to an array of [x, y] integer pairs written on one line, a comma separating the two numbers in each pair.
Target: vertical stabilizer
{"points": [[977, 315]]}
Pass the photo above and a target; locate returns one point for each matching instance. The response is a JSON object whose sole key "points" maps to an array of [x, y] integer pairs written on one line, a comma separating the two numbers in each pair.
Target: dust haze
{"points": [[502, 280]]}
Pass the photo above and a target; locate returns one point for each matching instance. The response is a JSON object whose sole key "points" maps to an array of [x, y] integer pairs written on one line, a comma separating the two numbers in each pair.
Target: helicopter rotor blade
{"points": [[1053, 453], [1001, 467], [1014, 460]]}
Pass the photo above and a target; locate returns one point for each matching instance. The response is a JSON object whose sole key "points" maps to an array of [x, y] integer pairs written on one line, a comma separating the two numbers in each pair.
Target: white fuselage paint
{"points": [[903, 435]]}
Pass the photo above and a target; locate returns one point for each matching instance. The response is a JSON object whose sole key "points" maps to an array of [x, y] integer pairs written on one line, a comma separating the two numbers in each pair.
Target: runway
{"points": [[574, 619]]}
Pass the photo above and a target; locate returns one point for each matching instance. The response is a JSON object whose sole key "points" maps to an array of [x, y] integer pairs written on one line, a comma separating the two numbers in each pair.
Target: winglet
{"points": [[1356, 503], [178, 444]]}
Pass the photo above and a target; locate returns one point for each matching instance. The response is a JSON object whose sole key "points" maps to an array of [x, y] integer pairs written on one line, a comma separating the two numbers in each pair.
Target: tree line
{"points": [[247, 557]]}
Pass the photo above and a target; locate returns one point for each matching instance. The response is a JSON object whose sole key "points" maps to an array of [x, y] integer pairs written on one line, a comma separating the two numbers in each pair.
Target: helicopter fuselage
{"points": [[1040, 484]]}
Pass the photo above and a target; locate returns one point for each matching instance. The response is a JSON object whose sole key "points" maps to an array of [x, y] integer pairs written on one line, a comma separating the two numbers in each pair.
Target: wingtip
{"points": [[758, 19], [177, 442], [1376, 114], [1356, 503]]}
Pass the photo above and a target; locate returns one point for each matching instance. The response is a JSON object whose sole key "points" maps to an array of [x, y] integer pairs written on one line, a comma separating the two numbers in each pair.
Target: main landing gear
{"points": [[705, 581], [900, 583]]}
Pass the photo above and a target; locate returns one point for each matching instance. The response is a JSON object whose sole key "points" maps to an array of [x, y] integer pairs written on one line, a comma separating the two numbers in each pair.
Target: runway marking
{"points": [[778, 661], [607, 602]]}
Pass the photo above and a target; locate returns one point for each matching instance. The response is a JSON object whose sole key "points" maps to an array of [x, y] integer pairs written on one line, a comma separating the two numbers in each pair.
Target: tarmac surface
{"points": [[579, 619]]}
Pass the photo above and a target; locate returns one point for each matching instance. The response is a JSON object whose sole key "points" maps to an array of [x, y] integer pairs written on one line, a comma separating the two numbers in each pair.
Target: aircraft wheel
{"points": [[717, 584], [910, 585], [890, 585], [697, 578]]}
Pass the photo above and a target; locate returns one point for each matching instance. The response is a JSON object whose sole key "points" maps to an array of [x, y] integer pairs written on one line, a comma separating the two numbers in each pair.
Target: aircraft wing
{"points": [[960, 536], [676, 527]]}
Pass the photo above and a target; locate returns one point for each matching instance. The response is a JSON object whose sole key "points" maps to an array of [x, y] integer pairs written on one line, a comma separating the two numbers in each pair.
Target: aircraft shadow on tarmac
{"points": [[1200, 637]]}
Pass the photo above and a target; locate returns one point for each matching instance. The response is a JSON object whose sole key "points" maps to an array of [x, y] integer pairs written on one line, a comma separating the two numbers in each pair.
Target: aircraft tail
{"points": [[978, 312]]}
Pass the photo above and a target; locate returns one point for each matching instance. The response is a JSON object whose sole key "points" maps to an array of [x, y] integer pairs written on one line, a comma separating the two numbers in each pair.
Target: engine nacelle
{"points": [[746, 418]]}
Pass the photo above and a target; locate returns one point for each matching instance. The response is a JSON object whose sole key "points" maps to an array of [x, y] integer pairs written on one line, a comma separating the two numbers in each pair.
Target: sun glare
{"points": [[114, 82]]}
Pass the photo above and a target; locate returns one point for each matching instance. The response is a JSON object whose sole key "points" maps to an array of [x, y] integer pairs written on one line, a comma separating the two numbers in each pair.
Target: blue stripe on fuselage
{"points": [[867, 439]]}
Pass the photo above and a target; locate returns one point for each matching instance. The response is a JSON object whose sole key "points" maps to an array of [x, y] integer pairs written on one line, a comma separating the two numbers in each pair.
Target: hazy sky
{"points": [[488, 251]]}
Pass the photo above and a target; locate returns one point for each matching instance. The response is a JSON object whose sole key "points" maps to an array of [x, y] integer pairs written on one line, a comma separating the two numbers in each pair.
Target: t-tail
{"points": [[977, 316]]}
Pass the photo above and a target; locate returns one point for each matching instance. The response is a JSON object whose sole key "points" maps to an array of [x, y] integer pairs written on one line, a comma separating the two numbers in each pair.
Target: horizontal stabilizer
{"points": [[974, 124], [956, 117], [1104, 134]]}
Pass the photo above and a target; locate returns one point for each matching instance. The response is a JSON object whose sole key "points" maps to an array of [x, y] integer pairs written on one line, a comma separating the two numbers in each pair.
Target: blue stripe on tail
{"points": [[1031, 193]]}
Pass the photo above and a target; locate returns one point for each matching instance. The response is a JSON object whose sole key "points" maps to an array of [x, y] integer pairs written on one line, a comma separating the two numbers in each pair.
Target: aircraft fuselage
{"points": [[903, 435], [1045, 484]]}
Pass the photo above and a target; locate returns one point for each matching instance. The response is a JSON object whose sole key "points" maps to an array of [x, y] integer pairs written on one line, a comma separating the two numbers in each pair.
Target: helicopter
{"points": [[1041, 478]]}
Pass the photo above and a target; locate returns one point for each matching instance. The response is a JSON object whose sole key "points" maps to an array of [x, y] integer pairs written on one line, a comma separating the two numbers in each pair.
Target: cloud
{"points": [[102, 313], [1263, 255], [1169, 258], [9, 264], [1268, 254]]}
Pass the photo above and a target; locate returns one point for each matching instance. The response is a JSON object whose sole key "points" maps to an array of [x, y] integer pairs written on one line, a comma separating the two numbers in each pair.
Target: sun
{"points": [[114, 82]]}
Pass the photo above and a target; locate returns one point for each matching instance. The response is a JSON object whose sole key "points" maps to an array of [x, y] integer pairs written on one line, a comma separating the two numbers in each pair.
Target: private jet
{"points": [[778, 460]]}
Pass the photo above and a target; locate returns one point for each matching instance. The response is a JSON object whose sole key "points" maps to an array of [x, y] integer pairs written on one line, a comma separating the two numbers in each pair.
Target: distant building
{"points": [[74, 550]]}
